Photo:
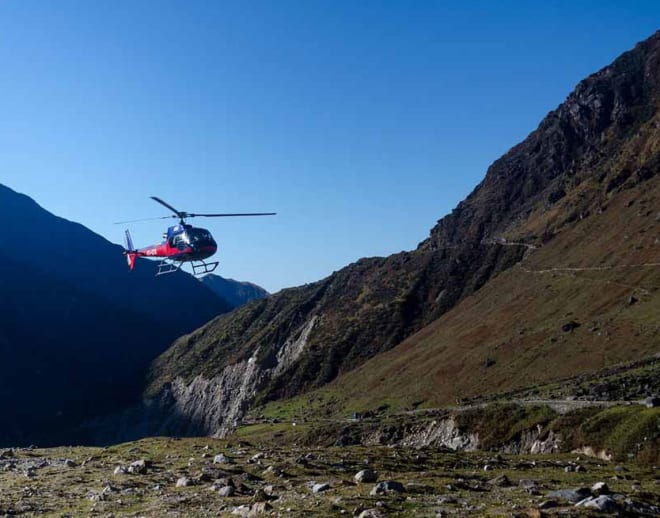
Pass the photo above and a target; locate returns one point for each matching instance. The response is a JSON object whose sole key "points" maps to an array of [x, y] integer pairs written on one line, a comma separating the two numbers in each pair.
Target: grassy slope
{"points": [[513, 324]]}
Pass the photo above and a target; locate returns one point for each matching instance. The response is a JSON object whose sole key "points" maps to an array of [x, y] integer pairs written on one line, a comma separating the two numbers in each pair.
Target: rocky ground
{"points": [[252, 474]]}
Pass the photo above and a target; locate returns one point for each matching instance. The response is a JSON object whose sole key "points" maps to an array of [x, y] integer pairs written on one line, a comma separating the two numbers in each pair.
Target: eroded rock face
{"points": [[213, 406], [442, 433]]}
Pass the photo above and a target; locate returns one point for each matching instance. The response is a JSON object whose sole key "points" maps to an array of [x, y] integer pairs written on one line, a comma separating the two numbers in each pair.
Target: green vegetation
{"points": [[623, 431]]}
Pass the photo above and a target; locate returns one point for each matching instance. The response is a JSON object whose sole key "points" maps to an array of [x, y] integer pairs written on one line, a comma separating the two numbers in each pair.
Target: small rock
{"points": [[97, 497], [120, 470], [69, 463], [580, 469], [365, 476], [138, 467], [226, 491], [256, 457], [241, 510], [570, 326], [319, 488], [221, 459], [225, 481], [260, 508], [184, 482], [548, 504], [387, 486], [272, 470], [526, 483], [370, 513]]}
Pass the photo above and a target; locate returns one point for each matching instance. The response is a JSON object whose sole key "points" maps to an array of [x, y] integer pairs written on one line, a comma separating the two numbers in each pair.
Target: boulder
{"points": [[570, 495], [184, 482], [602, 503], [138, 467], [220, 458], [365, 476], [226, 491], [387, 486], [319, 488]]}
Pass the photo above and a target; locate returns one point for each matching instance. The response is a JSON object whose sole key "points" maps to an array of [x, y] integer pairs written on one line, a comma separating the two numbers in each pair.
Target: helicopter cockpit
{"points": [[192, 236]]}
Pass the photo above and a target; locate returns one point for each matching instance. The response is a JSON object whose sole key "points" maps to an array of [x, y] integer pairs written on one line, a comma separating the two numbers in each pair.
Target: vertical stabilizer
{"points": [[130, 250]]}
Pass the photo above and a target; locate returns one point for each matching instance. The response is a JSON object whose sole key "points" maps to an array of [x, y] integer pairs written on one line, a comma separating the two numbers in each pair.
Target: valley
{"points": [[508, 365]]}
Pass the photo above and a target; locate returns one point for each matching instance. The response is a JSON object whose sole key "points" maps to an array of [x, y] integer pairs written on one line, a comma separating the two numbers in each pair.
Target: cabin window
{"points": [[177, 239]]}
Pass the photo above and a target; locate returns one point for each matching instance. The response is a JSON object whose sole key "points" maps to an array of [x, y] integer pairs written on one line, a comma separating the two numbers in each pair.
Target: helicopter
{"points": [[182, 243]]}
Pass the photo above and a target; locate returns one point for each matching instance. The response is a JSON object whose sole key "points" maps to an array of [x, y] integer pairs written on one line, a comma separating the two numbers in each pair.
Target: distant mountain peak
{"points": [[235, 293]]}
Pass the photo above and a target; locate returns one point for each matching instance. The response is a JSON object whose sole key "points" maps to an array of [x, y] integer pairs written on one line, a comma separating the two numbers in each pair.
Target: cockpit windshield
{"points": [[191, 236], [195, 235]]}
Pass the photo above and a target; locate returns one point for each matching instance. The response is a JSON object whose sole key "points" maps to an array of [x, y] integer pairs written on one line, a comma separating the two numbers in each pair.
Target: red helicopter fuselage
{"points": [[183, 243]]}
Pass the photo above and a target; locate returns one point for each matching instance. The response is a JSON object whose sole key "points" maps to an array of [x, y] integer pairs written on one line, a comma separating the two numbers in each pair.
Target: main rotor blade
{"points": [[231, 215], [143, 219], [165, 204]]}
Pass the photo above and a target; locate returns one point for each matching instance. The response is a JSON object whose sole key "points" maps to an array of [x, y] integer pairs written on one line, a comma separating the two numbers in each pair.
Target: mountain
{"points": [[236, 293], [548, 268], [77, 329]]}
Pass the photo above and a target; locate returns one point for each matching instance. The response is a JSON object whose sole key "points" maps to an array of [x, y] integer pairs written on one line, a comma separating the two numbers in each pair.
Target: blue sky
{"points": [[360, 123]]}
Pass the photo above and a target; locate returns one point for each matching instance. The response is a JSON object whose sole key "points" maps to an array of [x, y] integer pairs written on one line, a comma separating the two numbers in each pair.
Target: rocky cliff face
{"points": [[600, 141]]}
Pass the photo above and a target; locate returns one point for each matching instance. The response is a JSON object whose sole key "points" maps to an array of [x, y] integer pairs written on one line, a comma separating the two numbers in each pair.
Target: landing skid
{"points": [[198, 267], [167, 267], [202, 268]]}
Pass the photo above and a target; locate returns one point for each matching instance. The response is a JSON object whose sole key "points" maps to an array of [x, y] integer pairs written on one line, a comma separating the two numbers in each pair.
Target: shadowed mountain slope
{"points": [[77, 329], [573, 171]]}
